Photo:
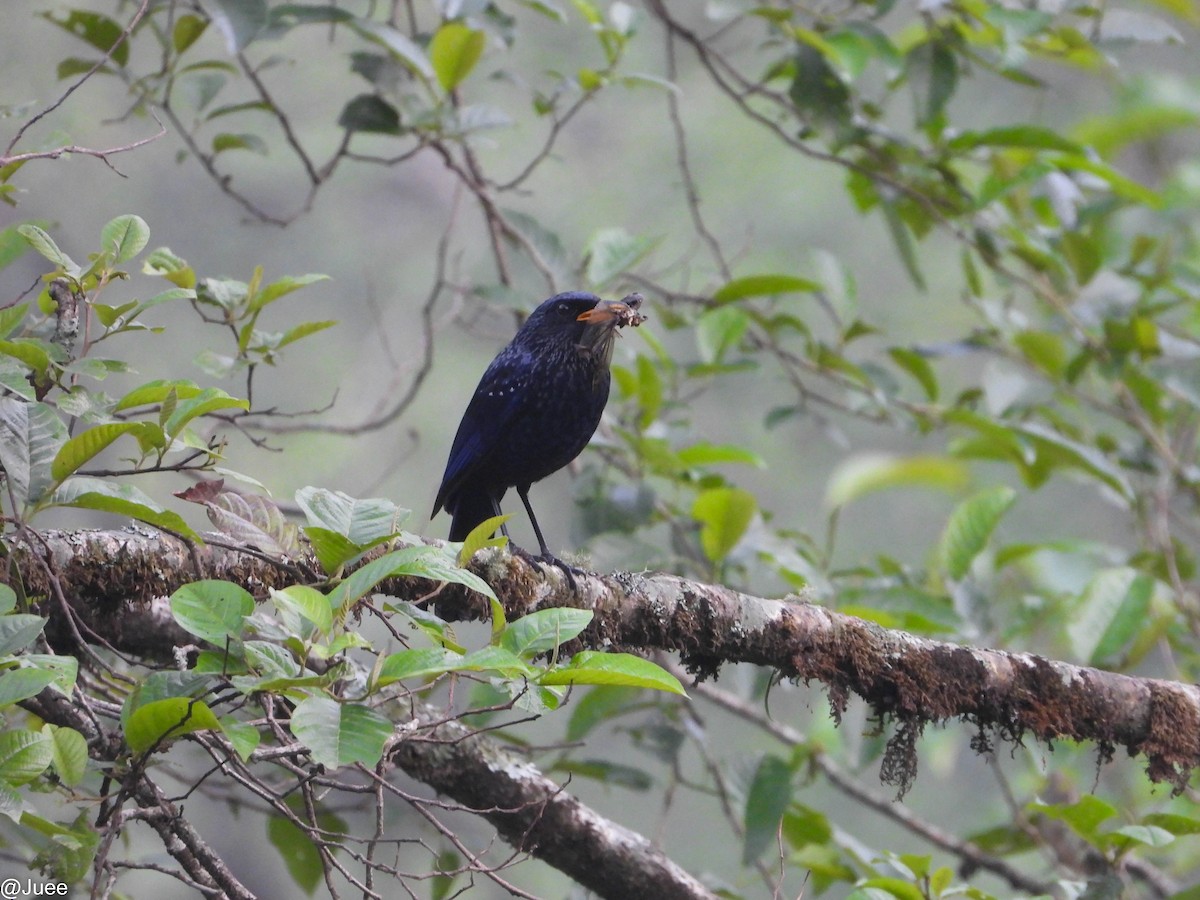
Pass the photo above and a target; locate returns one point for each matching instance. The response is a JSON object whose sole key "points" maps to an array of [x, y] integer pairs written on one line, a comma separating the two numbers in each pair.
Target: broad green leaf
{"points": [[18, 631], [21, 684], [496, 659], [240, 21], [763, 286], [79, 449], [187, 31], [1110, 614], [207, 401], [401, 47], [30, 436], [214, 611], [24, 755], [300, 854], [167, 685], [598, 705], [867, 473], [1084, 816], [724, 515], [361, 521], [307, 602], [244, 737], [163, 720], [64, 670], [365, 578], [105, 495], [332, 549], [544, 630], [1029, 136], [40, 241], [612, 251], [417, 662], [615, 669], [125, 237], [766, 801], [454, 51], [96, 29], [8, 599], [970, 526], [154, 392], [69, 753], [340, 734]]}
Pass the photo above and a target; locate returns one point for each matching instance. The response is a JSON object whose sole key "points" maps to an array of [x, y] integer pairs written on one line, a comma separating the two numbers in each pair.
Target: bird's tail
{"points": [[470, 508]]}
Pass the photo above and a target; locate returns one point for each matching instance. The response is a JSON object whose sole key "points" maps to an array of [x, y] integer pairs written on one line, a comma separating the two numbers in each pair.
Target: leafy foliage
{"points": [[1057, 371]]}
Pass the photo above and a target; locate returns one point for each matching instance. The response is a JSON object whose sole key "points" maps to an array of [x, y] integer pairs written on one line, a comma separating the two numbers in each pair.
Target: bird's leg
{"points": [[497, 512], [568, 570]]}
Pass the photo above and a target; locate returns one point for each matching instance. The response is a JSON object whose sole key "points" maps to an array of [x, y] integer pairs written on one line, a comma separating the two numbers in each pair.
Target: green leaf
{"points": [[165, 264], [82, 492], [421, 561], [706, 454], [1111, 612], [307, 602], [125, 237], [417, 662], [69, 753], [96, 29], [481, 536], [281, 288], [79, 449], [207, 401], [162, 720], [153, 392], [240, 21], [18, 631], [916, 365], [212, 610], [615, 669], [333, 550], [970, 526], [187, 31], [1084, 815], [21, 684], [720, 330], [24, 755], [8, 599], [244, 737], [867, 473], [454, 51], [599, 705], [40, 241], [401, 47], [763, 286], [363, 522], [247, 141], [303, 330], [340, 734], [300, 854], [1032, 137], [766, 802], [544, 630], [612, 251], [724, 515]]}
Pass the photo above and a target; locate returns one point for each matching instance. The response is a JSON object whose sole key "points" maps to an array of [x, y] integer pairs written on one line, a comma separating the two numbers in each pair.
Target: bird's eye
{"points": [[564, 309]]}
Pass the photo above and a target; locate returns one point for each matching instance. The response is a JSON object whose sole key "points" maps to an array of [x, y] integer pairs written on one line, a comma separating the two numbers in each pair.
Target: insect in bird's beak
{"points": [[616, 313]]}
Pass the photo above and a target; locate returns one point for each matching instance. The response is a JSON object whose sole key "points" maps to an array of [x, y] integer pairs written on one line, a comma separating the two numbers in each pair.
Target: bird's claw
{"points": [[538, 560]]}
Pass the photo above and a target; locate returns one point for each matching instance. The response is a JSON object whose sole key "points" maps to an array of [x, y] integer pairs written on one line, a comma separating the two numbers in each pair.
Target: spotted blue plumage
{"points": [[535, 409]]}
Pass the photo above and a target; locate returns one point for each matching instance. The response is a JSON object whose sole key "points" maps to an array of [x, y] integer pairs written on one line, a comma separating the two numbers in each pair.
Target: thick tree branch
{"points": [[116, 582], [536, 815]]}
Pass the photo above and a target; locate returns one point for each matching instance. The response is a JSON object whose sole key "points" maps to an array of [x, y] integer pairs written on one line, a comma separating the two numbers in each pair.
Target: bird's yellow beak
{"points": [[615, 313]]}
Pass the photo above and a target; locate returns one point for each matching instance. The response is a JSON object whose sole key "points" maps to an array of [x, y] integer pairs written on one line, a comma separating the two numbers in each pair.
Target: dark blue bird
{"points": [[535, 409]]}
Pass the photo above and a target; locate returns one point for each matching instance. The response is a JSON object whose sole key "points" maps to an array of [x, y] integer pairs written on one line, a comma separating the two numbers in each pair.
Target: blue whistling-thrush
{"points": [[535, 409]]}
